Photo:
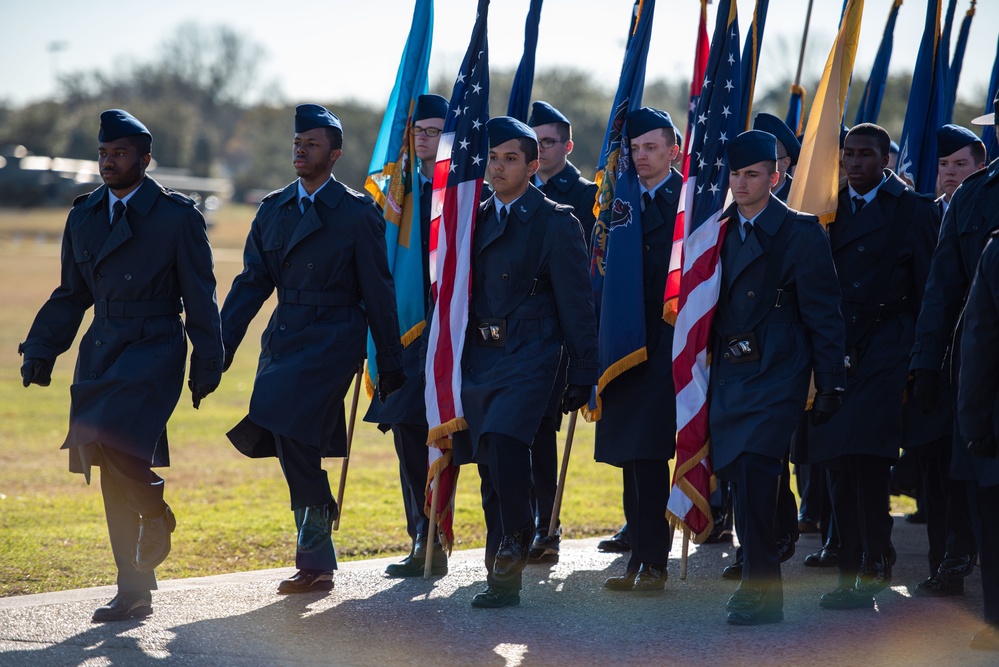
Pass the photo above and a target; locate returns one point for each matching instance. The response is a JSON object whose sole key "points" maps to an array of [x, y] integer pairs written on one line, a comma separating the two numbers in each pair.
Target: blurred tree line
{"points": [[210, 112]]}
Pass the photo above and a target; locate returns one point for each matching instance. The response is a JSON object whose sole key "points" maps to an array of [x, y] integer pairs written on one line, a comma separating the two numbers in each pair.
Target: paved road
{"points": [[565, 618]]}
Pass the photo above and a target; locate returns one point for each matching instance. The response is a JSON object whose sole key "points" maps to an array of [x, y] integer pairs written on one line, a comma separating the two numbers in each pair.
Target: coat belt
{"points": [[307, 298], [162, 307]]}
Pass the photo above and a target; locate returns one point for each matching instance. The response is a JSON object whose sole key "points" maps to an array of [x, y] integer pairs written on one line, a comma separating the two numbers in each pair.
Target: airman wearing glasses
{"points": [[562, 183]]}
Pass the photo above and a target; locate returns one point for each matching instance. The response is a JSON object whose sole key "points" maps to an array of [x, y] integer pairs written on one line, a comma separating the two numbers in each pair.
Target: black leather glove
{"points": [[926, 389], [575, 396], [37, 371], [199, 390], [984, 447], [389, 383], [227, 358], [826, 403]]}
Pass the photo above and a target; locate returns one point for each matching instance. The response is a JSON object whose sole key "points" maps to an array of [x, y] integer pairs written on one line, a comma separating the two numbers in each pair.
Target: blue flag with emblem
{"points": [[523, 82], [874, 91], [391, 175], [917, 158], [616, 261]]}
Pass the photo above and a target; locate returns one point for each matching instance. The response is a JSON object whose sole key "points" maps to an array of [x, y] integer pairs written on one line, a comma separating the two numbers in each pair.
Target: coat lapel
{"points": [[311, 222], [489, 227], [138, 207], [666, 197]]}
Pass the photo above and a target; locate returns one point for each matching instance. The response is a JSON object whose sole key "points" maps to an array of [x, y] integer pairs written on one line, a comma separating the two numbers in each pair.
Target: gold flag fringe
{"points": [[702, 503], [617, 368], [439, 433]]}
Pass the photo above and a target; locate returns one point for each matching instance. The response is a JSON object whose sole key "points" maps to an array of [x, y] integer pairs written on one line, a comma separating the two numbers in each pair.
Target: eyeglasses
{"points": [[548, 143], [429, 131]]}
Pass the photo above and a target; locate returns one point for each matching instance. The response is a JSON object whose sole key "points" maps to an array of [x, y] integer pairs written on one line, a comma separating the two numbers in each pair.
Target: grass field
{"points": [[233, 512]]}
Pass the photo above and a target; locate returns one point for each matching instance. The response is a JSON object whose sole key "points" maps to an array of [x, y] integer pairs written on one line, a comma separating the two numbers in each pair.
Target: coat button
{"points": [[856, 283], [98, 343], [86, 254], [751, 294], [726, 355], [97, 276], [721, 383], [282, 327], [287, 265], [311, 265], [647, 248], [128, 276], [505, 276], [853, 319], [861, 248], [277, 356]]}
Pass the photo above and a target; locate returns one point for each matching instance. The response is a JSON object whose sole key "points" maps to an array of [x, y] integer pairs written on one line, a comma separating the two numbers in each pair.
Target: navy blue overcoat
{"points": [[638, 413], [330, 271], [870, 421], [756, 405], [505, 389], [138, 275]]}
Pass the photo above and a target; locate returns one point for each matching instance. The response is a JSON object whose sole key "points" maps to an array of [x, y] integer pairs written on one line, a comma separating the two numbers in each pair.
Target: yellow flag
{"points": [[815, 188]]}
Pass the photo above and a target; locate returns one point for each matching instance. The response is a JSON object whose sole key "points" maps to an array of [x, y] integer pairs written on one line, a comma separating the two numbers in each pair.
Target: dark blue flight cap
{"points": [[893, 147], [647, 119], [504, 128], [751, 147], [952, 138], [543, 113], [843, 130], [310, 116], [679, 137], [775, 126], [118, 123], [429, 106]]}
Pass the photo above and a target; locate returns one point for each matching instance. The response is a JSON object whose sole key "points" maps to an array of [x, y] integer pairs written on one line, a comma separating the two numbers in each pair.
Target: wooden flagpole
{"points": [[560, 489], [350, 437], [432, 537], [804, 40]]}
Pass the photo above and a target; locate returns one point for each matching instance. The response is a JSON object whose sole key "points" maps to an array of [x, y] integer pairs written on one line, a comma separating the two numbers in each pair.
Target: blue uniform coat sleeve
{"points": [[818, 302], [978, 389], [250, 289], [568, 267], [378, 289], [58, 321], [196, 277]]}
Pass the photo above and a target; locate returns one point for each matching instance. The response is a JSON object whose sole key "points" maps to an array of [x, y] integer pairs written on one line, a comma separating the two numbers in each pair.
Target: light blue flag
{"points": [[391, 176]]}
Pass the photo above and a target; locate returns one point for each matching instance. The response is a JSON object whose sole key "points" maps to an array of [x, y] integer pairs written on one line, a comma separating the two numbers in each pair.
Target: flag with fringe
{"points": [[616, 260], [874, 91], [461, 164], [672, 293], [523, 81], [719, 119], [815, 188], [390, 180]]}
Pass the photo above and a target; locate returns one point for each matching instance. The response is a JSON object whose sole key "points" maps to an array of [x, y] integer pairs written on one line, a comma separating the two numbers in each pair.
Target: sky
{"points": [[340, 49]]}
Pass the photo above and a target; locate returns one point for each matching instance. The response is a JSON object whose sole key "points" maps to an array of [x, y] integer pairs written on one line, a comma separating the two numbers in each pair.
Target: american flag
{"points": [[719, 119], [672, 296], [460, 168]]}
